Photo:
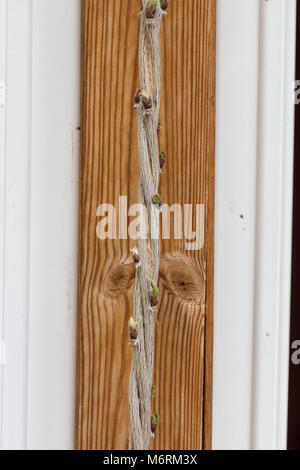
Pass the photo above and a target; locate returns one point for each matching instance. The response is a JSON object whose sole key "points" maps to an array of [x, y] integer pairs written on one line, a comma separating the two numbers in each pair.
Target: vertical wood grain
{"points": [[183, 353]]}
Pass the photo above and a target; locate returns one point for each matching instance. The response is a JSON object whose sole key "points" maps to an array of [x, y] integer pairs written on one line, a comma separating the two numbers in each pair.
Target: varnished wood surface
{"points": [[183, 353]]}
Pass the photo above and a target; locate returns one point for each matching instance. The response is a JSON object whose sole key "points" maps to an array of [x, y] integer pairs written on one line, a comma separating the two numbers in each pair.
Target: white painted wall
{"points": [[254, 179], [39, 161]]}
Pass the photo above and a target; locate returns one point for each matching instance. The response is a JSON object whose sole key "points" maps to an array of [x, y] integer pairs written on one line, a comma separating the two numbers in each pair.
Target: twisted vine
{"points": [[147, 255]]}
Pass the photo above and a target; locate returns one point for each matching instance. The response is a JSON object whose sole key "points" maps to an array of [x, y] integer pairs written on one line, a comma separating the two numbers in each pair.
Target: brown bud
{"points": [[153, 428], [146, 99], [136, 256], [162, 159], [154, 422], [137, 98], [153, 294], [153, 301], [133, 329], [158, 128], [136, 259], [164, 4], [133, 335], [151, 9], [157, 200]]}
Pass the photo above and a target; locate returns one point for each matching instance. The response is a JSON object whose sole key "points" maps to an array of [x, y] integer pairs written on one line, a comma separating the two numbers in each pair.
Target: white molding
{"points": [[274, 224], [15, 202], [236, 134], [254, 178], [39, 199]]}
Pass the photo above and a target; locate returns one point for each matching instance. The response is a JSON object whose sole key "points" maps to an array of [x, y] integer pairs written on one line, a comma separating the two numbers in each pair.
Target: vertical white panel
{"points": [[16, 158], [40, 62], [54, 223], [254, 180], [236, 137], [274, 224]]}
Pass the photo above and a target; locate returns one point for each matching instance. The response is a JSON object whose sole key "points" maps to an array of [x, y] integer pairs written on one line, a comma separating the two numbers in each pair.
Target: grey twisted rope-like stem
{"points": [[140, 389]]}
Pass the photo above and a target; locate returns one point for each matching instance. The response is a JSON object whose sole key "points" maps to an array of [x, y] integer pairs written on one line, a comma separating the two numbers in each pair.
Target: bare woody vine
{"points": [[147, 255]]}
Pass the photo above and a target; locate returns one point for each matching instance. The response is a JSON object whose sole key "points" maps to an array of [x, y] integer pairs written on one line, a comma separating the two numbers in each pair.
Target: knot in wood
{"points": [[119, 280], [183, 278]]}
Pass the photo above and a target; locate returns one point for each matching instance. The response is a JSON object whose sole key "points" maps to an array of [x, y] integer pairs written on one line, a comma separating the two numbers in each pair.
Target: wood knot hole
{"points": [[183, 278], [119, 280]]}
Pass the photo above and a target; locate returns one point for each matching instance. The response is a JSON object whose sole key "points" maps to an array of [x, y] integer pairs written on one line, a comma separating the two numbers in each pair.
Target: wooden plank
{"points": [[183, 353]]}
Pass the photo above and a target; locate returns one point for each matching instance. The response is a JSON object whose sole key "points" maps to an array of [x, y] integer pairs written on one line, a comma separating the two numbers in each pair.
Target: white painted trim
{"points": [[273, 224], [254, 179], [236, 134], [39, 198]]}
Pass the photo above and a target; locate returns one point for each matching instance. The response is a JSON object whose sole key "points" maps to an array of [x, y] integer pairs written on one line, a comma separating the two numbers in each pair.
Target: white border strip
{"points": [[254, 181], [274, 224], [39, 198], [236, 135]]}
